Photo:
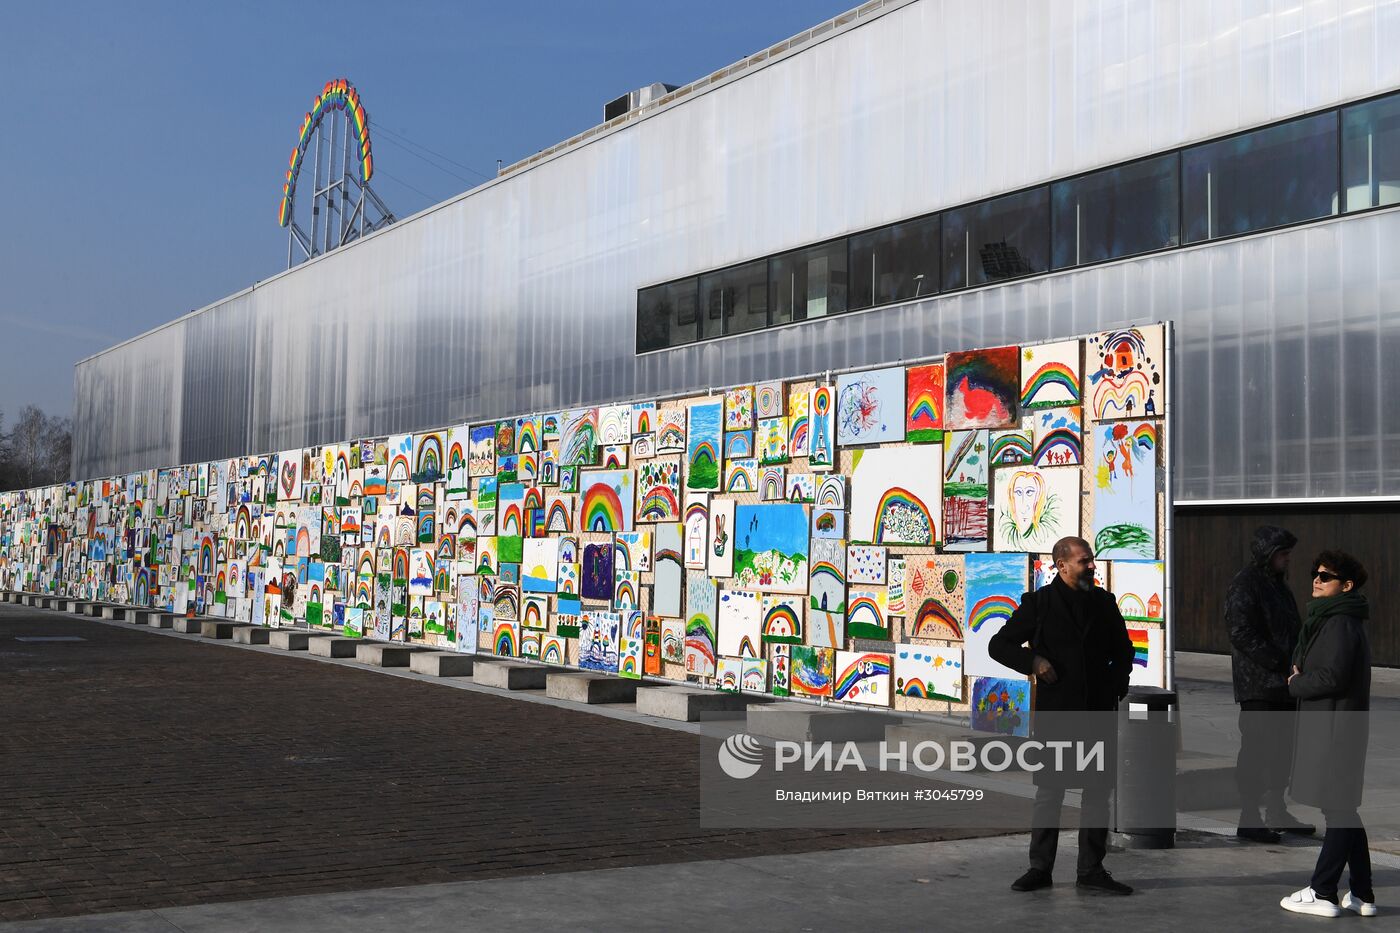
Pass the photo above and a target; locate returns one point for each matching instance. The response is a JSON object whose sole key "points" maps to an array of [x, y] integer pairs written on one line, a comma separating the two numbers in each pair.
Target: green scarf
{"points": [[1320, 610]]}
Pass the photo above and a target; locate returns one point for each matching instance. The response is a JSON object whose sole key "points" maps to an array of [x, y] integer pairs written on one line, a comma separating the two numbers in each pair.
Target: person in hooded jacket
{"points": [[1331, 679], [1263, 622]]}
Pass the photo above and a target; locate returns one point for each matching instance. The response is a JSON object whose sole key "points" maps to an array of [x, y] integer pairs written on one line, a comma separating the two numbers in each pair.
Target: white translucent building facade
{"points": [[523, 294]]}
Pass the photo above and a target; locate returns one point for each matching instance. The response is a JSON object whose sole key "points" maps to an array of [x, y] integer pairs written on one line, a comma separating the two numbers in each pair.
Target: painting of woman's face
{"points": [[1027, 497]]}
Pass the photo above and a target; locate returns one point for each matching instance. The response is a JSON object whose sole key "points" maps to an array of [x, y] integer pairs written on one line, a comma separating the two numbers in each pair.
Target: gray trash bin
{"points": [[1149, 726]]}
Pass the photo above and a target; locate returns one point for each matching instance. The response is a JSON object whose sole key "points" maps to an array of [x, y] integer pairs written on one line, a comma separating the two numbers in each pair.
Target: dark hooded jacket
{"points": [[1262, 617]]}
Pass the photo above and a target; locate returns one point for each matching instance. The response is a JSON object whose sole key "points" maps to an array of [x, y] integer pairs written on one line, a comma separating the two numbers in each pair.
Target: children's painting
{"points": [[924, 400], [703, 446], [965, 474], [929, 672], [771, 548], [862, 678], [870, 407], [1050, 375], [721, 538], [821, 448], [813, 671], [895, 494], [606, 502], [1139, 587], [1058, 437], [659, 490], [1125, 490], [1125, 374], [1001, 705], [934, 596], [740, 624], [697, 527], [1148, 662], [598, 640], [1035, 507], [701, 607], [827, 615], [995, 585], [983, 388]]}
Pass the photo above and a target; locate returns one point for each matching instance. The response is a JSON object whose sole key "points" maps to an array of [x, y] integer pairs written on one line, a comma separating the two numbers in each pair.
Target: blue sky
{"points": [[143, 144]]}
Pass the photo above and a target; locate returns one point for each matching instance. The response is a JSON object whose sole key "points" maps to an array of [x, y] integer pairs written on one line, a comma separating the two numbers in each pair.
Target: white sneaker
{"points": [[1305, 902], [1358, 906]]}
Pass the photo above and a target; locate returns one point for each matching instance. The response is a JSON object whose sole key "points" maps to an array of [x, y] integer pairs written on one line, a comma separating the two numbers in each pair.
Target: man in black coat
{"points": [[1072, 637], [1262, 617]]}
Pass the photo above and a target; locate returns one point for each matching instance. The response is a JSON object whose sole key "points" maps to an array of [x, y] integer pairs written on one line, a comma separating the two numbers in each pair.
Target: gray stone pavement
{"points": [[1206, 883], [1209, 880]]}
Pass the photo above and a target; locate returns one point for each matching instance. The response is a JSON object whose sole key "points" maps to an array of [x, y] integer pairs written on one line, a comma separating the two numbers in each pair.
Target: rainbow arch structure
{"points": [[339, 125]]}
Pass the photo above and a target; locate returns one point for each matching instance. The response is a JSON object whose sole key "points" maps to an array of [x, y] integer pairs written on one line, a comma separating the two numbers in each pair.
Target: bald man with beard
{"points": [[1071, 636]]}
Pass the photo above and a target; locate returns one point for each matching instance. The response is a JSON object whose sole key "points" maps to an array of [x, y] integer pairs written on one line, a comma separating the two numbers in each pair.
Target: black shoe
{"points": [[1258, 834], [1286, 822], [1033, 880], [1101, 882]]}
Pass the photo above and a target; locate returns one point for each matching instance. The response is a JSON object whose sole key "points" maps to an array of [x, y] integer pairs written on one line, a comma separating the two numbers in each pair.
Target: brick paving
{"points": [[140, 772]]}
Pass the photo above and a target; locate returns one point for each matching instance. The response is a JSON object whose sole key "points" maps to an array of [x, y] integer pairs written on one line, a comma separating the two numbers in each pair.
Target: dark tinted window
{"points": [[666, 315], [1371, 153], [999, 239], [1277, 176], [734, 300], [1117, 212], [809, 282], [894, 263]]}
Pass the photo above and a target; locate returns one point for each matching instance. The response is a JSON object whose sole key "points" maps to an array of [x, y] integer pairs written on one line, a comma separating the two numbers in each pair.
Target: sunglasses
{"points": [[1326, 576]]}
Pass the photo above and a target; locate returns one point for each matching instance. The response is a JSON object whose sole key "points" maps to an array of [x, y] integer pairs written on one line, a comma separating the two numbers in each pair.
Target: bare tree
{"points": [[37, 450]]}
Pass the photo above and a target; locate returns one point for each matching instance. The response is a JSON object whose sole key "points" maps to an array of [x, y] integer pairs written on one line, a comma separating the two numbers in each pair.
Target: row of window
{"points": [[1320, 165]]}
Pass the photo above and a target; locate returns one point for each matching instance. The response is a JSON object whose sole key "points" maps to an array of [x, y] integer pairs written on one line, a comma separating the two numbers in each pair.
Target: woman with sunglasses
{"points": [[1331, 679]]}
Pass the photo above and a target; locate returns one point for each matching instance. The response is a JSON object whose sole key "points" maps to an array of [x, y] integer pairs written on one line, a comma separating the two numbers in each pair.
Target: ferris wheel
{"points": [[342, 208]]}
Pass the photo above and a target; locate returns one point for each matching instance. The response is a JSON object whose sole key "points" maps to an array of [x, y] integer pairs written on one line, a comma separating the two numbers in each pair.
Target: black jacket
{"points": [[1084, 637], [1262, 617], [1334, 690]]}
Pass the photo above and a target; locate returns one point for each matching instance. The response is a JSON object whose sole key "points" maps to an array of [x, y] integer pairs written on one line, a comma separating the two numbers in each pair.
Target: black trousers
{"points": [[1266, 756], [1093, 828], [1344, 846]]}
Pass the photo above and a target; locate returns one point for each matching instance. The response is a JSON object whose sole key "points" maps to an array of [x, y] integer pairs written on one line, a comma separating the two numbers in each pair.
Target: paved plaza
{"points": [[165, 782]]}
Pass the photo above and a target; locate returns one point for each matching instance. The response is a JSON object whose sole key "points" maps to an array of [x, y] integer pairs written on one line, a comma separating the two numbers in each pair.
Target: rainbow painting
{"points": [[894, 494], [606, 502], [934, 620], [505, 640], [703, 446], [865, 613], [659, 488], [1050, 375], [928, 672], [994, 585], [799, 423], [821, 448], [782, 619], [1010, 448], [1124, 374], [923, 399], [862, 677], [1058, 438], [428, 458]]}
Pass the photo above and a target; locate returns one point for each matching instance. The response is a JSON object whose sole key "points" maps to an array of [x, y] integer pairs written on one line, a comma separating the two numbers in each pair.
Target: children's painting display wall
{"points": [[857, 540]]}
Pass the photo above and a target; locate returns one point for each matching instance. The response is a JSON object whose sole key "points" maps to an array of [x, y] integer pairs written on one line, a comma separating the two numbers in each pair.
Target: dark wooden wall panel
{"points": [[1212, 544]]}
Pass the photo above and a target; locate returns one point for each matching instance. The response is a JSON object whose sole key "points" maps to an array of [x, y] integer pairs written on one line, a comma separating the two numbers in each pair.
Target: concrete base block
{"points": [[31, 600], [288, 639], [251, 635], [159, 619], [441, 663], [685, 704], [588, 687], [188, 625], [113, 612], [799, 722], [218, 628], [385, 655], [332, 646], [94, 610], [48, 602], [509, 676]]}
